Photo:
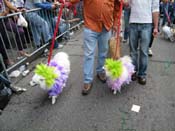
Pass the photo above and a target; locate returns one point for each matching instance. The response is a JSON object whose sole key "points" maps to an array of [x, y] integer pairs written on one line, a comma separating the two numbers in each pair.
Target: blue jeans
{"points": [[38, 26], [63, 26], [91, 40], [126, 20], [139, 38]]}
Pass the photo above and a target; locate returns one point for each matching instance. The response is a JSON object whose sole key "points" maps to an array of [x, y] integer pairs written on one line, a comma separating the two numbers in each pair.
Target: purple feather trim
{"points": [[115, 84], [60, 81]]}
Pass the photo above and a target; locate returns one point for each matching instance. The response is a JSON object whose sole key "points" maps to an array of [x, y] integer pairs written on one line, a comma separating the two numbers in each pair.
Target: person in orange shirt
{"points": [[100, 16]]}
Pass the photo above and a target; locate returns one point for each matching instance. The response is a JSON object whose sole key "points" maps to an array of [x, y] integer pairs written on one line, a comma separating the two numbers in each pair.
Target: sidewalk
{"points": [[100, 110]]}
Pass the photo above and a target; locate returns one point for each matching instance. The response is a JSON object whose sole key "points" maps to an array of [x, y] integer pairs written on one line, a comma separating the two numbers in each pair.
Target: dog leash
{"points": [[56, 29], [118, 27]]}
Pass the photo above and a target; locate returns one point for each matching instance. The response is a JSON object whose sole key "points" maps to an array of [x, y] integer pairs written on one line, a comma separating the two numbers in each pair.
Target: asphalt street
{"points": [[100, 110]]}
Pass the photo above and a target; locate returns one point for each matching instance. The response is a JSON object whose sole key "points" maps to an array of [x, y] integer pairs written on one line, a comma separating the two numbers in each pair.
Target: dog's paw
{"points": [[64, 85], [53, 99], [115, 92]]}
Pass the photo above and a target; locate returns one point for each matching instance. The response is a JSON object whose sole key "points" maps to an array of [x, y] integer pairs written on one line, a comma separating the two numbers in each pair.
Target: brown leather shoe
{"points": [[87, 88], [102, 77], [142, 80]]}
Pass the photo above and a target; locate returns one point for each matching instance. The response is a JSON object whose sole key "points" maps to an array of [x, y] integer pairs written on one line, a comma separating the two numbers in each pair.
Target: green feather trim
{"points": [[115, 67], [47, 72]]}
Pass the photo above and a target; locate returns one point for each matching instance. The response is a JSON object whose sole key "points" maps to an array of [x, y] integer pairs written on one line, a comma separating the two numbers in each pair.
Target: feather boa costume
{"points": [[53, 77], [119, 72]]}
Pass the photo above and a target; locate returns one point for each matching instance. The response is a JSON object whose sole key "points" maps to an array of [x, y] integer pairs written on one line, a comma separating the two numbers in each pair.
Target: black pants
{"points": [[152, 38]]}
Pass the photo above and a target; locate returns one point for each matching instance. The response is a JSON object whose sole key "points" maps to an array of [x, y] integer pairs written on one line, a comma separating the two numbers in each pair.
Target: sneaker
{"points": [[150, 53]]}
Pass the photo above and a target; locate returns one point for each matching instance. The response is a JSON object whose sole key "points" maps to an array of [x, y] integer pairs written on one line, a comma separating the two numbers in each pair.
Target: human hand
{"points": [[23, 10], [57, 4], [5, 12], [54, 6], [114, 28], [155, 32]]}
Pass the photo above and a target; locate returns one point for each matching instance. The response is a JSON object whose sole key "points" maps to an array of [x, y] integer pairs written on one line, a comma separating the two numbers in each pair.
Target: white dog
{"points": [[169, 33], [53, 77], [118, 72]]}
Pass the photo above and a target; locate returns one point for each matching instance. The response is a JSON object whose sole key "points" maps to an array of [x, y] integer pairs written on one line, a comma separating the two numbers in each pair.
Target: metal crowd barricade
{"points": [[12, 43]]}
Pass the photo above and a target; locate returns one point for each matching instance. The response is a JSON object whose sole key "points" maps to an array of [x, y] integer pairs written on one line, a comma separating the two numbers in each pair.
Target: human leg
{"points": [[151, 42], [19, 36], [133, 43], [103, 40], [145, 37], [34, 26], [90, 42]]}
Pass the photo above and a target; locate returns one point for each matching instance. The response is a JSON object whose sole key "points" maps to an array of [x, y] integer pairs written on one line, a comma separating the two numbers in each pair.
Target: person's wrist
{"points": [[155, 26]]}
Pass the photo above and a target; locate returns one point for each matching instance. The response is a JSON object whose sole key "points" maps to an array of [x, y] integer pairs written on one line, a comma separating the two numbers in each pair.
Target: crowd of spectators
{"points": [[41, 24]]}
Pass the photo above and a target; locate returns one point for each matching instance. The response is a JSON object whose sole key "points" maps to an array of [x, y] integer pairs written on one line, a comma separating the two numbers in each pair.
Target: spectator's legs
{"points": [[44, 28], [34, 27], [38, 26], [62, 28], [2, 50], [3, 41], [19, 33]]}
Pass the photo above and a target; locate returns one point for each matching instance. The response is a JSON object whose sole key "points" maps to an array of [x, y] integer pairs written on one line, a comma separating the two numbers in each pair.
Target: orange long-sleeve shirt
{"points": [[99, 13]]}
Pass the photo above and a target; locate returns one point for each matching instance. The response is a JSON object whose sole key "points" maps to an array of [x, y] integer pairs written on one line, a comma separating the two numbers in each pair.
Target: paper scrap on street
{"points": [[135, 108]]}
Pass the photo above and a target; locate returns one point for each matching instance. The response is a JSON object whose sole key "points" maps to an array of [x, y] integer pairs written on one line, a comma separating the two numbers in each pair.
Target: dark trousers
{"points": [[152, 38], [11, 26]]}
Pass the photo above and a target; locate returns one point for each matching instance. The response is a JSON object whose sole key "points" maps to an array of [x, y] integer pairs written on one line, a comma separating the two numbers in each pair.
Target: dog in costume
{"points": [[169, 33], [53, 77], [118, 72]]}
